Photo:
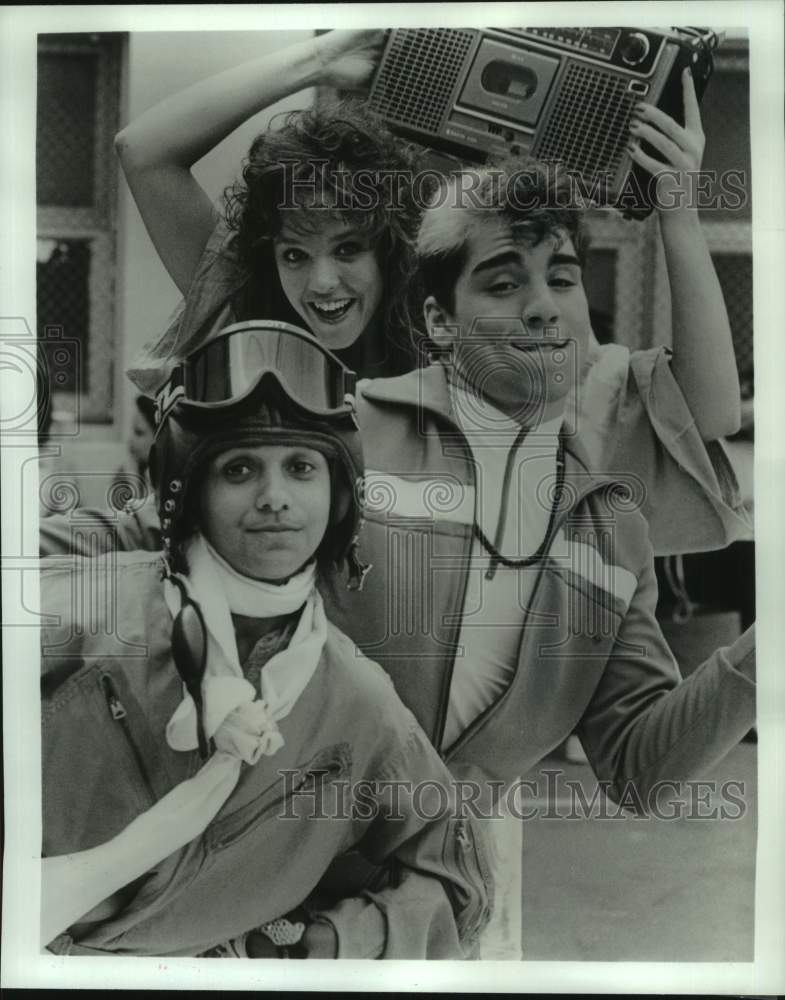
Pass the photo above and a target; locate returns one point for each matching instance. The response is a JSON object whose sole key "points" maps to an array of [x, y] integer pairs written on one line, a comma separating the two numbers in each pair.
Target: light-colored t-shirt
{"points": [[494, 609]]}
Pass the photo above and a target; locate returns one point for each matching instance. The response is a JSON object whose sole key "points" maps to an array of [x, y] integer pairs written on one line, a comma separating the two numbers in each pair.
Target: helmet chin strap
{"points": [[283, 580]]}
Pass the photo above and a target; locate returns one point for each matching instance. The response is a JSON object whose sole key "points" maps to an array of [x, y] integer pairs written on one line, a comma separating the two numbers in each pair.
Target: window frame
{"points": [[96, 223], [608, 230]]}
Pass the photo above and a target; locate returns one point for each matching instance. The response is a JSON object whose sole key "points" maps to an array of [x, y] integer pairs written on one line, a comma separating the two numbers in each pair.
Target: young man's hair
{"points": [[345, 154], [536, 200]]}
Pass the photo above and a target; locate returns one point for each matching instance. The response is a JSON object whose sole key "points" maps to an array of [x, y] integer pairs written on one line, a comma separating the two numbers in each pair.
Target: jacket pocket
{"points": [[124, 723], [327, 765], [586, 626]]}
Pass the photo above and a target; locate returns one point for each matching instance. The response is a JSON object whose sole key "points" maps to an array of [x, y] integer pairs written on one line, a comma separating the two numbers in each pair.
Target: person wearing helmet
{"points": [[321, 241], [210, 743], [347, 269]]}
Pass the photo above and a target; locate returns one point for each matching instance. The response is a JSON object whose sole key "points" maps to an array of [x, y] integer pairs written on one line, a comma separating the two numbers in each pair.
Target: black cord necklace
{"points": [[493, 549]]}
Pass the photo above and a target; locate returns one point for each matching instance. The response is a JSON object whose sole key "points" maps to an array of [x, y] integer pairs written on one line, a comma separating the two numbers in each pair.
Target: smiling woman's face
{"points": [[330, 275], [265, 508]]}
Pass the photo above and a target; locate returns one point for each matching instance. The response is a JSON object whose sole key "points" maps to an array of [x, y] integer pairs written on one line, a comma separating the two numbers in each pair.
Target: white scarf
{"points": [[232, 715], [243, 726]]}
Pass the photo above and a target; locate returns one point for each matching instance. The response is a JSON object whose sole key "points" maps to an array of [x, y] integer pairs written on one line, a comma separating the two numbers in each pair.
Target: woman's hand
{"points": [[681, 148], [349, 58]]}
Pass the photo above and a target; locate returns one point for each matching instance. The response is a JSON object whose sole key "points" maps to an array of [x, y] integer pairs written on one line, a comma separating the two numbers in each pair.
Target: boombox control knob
{"points": [[635, 48]]}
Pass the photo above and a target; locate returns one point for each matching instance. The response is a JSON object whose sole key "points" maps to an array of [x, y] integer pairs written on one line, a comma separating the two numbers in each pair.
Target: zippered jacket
{"points": [[633, 418], [109, 687], [633, 421], [592, 657]]}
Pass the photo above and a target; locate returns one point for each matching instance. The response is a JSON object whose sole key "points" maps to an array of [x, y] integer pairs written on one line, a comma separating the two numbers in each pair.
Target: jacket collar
{"points": [[423, 387], [427, 389]]}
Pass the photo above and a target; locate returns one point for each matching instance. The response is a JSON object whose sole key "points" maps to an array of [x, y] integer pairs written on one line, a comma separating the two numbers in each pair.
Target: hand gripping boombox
{"points": [[558, 94]]}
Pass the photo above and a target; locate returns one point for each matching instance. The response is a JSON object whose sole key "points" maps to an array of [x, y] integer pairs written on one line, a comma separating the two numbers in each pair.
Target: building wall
{"points": [[146, 294], [154, 66]]}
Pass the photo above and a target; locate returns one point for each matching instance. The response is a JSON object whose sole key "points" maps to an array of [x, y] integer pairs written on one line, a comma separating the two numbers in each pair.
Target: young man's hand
{"points": [[320, 940], [349, 58], [681, 148]]}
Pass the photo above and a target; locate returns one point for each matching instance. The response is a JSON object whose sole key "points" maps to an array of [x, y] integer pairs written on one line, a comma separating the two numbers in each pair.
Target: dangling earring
{"points": [[441, 350], [440, 354]]}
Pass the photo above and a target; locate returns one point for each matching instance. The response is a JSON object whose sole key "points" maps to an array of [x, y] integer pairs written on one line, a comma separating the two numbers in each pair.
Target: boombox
{"points": [[558, 94]]}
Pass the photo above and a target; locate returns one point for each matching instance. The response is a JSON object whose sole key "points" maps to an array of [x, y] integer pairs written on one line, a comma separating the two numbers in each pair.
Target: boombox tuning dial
{"points": [[635, 48]]}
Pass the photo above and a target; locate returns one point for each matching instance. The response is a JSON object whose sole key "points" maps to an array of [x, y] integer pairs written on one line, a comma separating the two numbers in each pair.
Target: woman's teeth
{"points": [[333, 310]]}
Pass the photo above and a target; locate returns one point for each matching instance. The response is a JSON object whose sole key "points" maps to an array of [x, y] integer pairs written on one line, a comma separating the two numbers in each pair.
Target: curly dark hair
{"points": [[345, 154], [535, 198]]}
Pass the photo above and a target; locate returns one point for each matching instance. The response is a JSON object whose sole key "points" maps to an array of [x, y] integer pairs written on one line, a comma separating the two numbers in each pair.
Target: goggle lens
{"points": [[229, 367]]}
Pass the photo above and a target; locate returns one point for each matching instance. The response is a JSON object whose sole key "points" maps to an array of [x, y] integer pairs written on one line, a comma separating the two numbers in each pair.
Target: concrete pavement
{"points": [[629, 889]]}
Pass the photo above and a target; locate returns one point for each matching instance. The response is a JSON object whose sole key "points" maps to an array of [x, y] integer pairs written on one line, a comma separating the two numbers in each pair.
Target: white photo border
{"points": [[22, 963]]}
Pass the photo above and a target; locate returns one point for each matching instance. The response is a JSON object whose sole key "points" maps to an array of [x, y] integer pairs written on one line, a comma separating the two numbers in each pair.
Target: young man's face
{"points": [[265, 508], [520, 321]]}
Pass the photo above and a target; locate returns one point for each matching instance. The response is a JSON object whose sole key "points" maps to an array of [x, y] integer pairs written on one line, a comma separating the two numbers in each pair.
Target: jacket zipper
{"points": [[223, 840], [441, 719], [481, 720], [445, 704], [441, 715], [468, 846], [120, 715], [468, 842]]}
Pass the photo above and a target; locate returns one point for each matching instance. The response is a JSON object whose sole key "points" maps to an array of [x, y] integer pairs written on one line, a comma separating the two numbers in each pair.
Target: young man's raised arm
{"points": [[703, 363], [658, 416]]}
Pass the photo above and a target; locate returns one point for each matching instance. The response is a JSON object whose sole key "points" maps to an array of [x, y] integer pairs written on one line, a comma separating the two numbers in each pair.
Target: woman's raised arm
{"points": [[158, 149]]}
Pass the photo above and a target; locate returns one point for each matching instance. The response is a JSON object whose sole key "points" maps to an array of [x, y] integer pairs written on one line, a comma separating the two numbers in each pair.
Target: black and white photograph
{"points": [[381, 494]]}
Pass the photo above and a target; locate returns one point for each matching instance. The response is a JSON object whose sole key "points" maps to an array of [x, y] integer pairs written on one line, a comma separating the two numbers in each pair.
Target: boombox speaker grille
{"points": [[589, 123], [418, 75]]}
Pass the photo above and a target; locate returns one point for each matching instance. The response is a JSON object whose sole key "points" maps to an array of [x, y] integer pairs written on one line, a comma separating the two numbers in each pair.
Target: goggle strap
{"points": [[192, 679], [172, 390]]}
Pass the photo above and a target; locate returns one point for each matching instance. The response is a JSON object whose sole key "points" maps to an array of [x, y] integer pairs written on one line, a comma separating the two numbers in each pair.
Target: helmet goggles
{"points": [[230, 366]]}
